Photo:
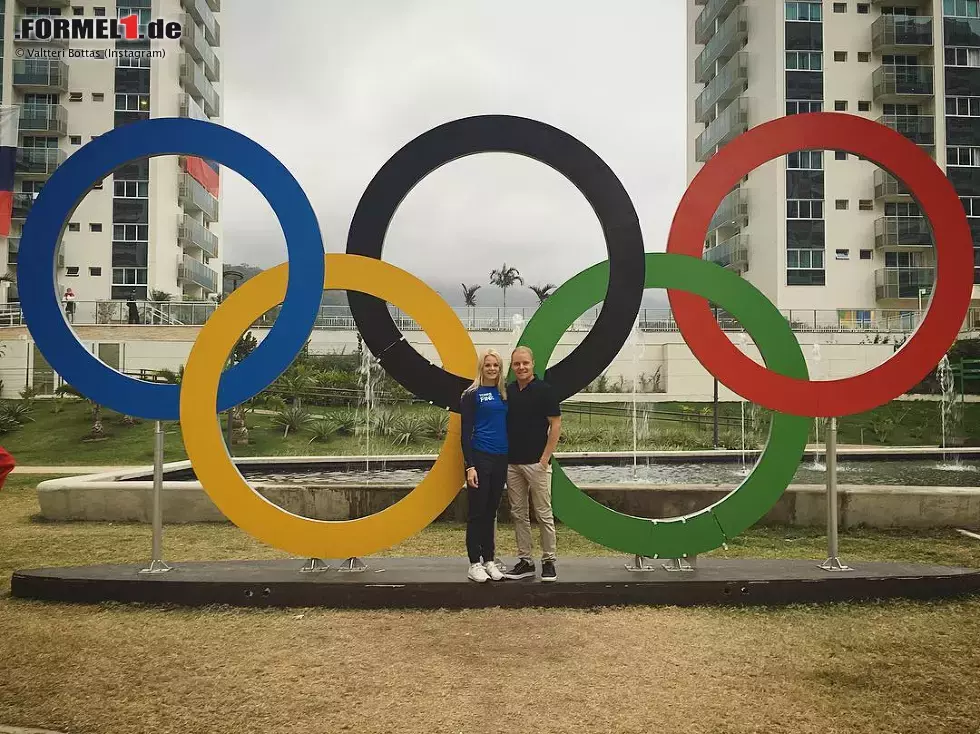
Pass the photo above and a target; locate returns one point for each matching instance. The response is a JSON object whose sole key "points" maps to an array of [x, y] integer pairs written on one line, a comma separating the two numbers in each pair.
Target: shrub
{"points": [[293, 418]]}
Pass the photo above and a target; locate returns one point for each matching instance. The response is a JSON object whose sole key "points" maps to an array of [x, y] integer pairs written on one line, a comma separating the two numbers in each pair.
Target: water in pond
{"points": [[922, 473]]}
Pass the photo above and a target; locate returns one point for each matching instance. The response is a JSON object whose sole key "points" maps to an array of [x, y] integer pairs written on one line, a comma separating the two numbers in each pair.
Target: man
{"points": [[533, 429]]}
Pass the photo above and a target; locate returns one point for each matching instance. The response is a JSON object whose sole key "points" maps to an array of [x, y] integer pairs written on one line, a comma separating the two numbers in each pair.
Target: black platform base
{"points": [[442, 583]]}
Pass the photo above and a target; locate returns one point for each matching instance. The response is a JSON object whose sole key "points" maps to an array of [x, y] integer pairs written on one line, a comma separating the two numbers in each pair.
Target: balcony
{"points": [[203, 14], [704, 26], [726, 42], [732, 122], [895, 83], [46, 3], [892, 34], [39, 161], [733, 211], [31, 37], [194, 42], [190, 108], [44, 118], [893, 283], [21, 207], [196, 272], [194, 234], [196, 83], [195, 198], [920, 129], [730, 82], [902, 232], [732, 253], [889, 188], [40, 75], [13, 250]]}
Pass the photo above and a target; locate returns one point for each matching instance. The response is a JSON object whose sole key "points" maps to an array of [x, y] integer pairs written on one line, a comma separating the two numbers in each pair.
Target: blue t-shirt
{"points": [[490, 424]]}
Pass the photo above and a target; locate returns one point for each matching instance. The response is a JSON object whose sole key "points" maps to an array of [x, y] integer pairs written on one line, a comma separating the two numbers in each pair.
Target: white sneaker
{"points": [[477, 573], [493, 571]]}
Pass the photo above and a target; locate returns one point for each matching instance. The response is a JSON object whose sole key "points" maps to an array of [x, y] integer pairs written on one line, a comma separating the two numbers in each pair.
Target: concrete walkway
{"points": [[66, 470]]}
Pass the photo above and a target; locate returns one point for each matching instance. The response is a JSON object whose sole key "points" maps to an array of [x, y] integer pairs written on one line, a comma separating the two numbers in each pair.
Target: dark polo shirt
{"points": [[528, 411]]}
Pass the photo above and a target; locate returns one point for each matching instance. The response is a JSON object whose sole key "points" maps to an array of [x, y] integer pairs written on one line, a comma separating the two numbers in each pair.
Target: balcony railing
{"points": [[194, 234], [21, 206], [198, 273], [732, 253], [40, 74], [902, 232], [196, 82], [734, 209], [896, 32], [896, 81], [704, 26], [194, 197], [193, 40], [903, 282], [733, 121], [190, 108], [202, 13], [728, 84], [729, 38], [45, 118], [13, 252], [919, 129], [39, 161], [887, 186]]}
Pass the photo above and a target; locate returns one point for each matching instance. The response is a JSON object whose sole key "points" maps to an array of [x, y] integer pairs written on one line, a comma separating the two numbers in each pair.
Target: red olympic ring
{"points": [[954, 267]]}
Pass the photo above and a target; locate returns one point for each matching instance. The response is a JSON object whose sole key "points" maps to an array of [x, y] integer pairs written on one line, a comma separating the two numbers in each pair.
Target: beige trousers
{"points": [[531, 482]]}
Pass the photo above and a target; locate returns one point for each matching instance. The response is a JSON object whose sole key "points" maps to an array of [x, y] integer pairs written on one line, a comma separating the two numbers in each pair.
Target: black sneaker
{"points": [[548, 572], [523, 570]]}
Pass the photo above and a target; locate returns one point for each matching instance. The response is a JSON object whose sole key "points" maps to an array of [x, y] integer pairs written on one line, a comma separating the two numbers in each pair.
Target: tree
{"points": [[469, 298], [542, 291], [505, 278]]}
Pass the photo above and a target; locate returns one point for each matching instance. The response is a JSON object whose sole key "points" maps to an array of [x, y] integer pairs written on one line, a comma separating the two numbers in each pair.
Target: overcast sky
{"points": [[335, 87]]}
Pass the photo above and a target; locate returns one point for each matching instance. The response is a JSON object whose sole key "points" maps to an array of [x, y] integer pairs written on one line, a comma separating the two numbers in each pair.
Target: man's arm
{"points": [[554, 433]]}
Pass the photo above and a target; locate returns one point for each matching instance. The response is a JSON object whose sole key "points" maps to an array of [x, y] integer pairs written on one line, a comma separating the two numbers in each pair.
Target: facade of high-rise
{"points": [[151, 226], [825, 230]]}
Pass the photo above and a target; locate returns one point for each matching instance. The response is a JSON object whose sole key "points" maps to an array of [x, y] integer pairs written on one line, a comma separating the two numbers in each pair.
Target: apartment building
{"points": [[825, 230], [152, 225]]}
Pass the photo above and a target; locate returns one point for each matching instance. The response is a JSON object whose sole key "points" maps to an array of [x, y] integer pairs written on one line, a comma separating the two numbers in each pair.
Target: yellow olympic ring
{"points": [[220, 477]]}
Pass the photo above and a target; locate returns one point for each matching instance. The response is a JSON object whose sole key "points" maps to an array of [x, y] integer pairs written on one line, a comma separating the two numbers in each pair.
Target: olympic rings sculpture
{"points": [[782, 385]]}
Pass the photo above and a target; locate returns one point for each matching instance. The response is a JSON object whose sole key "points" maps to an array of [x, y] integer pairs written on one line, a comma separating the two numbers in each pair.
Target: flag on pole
{"points": [[9, 131]]}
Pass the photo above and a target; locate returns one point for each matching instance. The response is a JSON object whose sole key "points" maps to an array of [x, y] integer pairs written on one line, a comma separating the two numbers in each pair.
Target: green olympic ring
{"points": [[712, 527]]}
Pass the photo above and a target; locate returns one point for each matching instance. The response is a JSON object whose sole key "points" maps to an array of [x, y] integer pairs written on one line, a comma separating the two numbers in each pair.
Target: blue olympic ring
{"points": [[148, 138]]}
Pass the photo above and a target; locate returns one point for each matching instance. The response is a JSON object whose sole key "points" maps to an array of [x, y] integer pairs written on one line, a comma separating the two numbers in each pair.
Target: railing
{"points": [[196, 82], [890, 31], [896, 80], [913, 283], [704, 26], [729, 38], [190, 108], [41, 73], [197, 272], [193, 195], [902, 232], [729, 83], [919, 129], [733, 253], [201, 13], [198, 47], [734, 209], [39, 160], [888, 185], [192, 233], [21, 205], [47, 118], [491, 318], [733, 121]]}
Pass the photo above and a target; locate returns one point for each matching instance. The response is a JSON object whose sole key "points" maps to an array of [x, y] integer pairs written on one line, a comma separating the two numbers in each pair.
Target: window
{"points": [[900, 260], [133, 63], [75, 139], [129, 276], [804, 60], [805, 267], [909, 11], [130, 232], [864, 105], [840, 55], [74, 227], [131, 189], [95, 226], [802, 106], [902, 209], [960, 8], [841, 254], [865, 254], [863, 8], [72, 272], [864, 56], [805, 160], [809, 11], [963, 106], [98, 96], [98, 185], [899, 59], [95, 272], [840, 204], [900, 109], [132, 103], [959, 155], [77, 10], [74, 96], [963, 56], [804, 209], [971, 205], [840, 105], [840, 7], [840, 155], [866, 205], [98, 11]]}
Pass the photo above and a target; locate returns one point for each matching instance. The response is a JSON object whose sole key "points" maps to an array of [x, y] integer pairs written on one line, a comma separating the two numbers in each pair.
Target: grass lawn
{"points": [[112, 669]]}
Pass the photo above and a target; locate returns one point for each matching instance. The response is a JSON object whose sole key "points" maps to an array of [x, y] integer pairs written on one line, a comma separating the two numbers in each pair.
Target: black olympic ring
{"points": [[541, 142]]}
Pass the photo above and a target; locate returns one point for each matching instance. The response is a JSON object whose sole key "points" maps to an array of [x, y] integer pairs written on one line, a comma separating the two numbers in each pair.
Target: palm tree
{"points": [[505, 278], [542, 291], [469, 298]]}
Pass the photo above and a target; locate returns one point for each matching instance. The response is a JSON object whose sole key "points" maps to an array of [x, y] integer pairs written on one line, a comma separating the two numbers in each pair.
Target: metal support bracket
{"points": [[314, 565], [681, 565], [156, 567], [640, 564], [352, 565]]}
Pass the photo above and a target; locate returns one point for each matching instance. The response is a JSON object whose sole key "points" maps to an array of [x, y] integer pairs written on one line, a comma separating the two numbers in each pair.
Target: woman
{"points": [[483, 409]]}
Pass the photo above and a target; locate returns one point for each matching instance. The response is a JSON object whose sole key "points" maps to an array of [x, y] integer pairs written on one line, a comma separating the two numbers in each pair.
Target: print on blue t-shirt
{"points": [[490, 426]]}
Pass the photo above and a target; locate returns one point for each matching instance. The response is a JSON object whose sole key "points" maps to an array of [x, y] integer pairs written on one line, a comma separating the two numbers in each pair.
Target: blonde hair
{"points": [[501, 376]]}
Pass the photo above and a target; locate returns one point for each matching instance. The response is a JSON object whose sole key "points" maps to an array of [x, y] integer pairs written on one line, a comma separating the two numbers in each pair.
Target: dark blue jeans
{"points": [[483, 501]]}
